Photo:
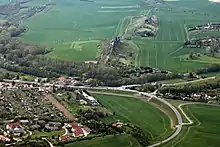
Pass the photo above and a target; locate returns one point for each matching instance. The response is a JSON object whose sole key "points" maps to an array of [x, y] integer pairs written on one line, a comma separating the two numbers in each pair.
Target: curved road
{"points": [[179, 118], [123, 88]]}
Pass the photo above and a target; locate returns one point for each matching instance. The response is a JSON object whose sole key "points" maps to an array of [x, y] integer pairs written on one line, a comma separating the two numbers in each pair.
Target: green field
{"points": [[164, 50], [205, 131], [75, 28], [78, 21], [108, 141], [137, 112], [37, 134], [77, 51]]}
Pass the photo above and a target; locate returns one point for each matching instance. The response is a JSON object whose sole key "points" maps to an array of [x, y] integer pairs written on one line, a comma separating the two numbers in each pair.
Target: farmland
{"points": [[108, 141], [165, 50], [205, 130], [149, 118], [66, 23], [75, 34]]}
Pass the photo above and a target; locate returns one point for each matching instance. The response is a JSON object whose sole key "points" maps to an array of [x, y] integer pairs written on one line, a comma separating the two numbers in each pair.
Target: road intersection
{"points": [[125, 88]]}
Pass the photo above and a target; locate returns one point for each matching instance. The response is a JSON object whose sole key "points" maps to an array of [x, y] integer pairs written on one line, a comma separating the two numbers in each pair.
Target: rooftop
{"points": [[78, 131], [14, 124]]}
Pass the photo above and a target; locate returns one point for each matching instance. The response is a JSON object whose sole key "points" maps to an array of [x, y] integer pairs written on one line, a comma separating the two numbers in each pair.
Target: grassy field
{"points": [[37, 134], [77, 51], [205, 132], [165, 50], [78, 21], [79, 27], [135, 111], [107, 141]]}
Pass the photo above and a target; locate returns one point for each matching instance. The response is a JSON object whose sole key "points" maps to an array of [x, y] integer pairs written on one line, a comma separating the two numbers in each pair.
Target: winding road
{"points": [[152, 95], [124, 88], [179, 118]]}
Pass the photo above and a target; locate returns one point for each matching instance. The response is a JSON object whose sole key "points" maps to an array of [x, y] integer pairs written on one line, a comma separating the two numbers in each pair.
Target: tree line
{"points": [[191, 88]]}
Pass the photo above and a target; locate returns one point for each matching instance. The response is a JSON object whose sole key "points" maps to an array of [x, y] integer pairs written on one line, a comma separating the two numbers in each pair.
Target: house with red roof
{"points": [[64, 138], [79, 130], [4, 139], [12, 125], [62, 79], [15, 128]]}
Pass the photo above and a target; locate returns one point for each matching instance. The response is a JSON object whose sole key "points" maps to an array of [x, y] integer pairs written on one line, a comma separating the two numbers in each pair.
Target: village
{"points": [[62, 110], [28, 113], [208, 42]]}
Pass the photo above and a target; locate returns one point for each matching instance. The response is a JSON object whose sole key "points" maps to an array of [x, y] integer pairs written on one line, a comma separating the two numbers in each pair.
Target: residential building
{"points": [[4, 139], [53, 126], [79, 130], [15, 128], [64, 138]]}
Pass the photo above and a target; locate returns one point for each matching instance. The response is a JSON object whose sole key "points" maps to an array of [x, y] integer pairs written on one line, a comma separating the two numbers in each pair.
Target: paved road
{"points": [[51, 145], [190, 122], [179, 118], [123, 88]]}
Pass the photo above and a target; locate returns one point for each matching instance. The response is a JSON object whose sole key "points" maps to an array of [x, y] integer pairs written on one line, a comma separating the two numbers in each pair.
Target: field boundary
{"points": [[145, 100], [189, 128], [186, 31], [60, 107]]}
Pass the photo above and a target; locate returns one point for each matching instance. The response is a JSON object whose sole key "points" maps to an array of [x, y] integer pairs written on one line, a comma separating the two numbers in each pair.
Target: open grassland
{"points": [[74, 21], [108, 141], [166, 109], [77, 51], [37, 134], [204, 132], [165, 50], [137, 112]]}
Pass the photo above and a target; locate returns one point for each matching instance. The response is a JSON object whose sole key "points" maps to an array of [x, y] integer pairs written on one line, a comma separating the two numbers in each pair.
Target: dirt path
{"points": [[60, 107]]}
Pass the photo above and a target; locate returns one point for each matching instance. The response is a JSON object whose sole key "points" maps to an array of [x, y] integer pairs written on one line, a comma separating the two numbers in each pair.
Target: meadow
{"points": [[204, 132], [165, 50], [108, 141], [137, 112], [76, 51]]}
